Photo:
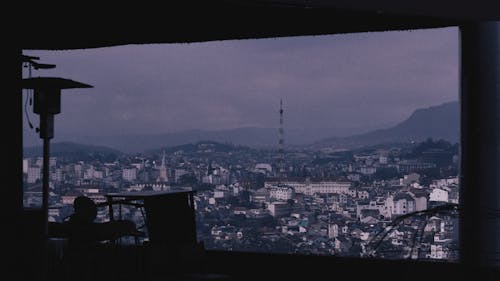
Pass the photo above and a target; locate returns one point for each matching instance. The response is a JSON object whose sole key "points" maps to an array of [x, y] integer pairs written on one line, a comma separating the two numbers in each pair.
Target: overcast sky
{"points": [[350, 83]]}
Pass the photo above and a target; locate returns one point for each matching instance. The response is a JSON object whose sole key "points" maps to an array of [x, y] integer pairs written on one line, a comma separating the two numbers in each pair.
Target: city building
{"points": [[34, 174], [279, 209], [439, 195], [281, 192], [129, 174], [309, 186], [409, 166]]}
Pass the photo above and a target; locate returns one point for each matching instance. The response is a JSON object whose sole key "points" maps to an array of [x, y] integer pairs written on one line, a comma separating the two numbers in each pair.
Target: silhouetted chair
{"points": [[84, 242]]}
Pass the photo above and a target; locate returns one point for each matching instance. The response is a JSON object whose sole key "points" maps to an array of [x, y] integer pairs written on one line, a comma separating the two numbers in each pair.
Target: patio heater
{"points": [[47, 103]]}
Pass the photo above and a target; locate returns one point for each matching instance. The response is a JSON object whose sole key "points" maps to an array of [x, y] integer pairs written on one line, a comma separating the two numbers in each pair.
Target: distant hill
{"points": [[75, 151], [247, 136], [437, 122], [199, 147], [133, 143]]}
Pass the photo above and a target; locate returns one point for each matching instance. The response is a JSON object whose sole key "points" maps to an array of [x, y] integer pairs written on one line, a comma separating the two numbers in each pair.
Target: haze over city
{"points": [[343, 84]]}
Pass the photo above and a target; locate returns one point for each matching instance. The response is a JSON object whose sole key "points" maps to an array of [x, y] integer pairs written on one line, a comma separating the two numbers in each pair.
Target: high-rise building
{"points": [[34, 174], [26, 163], [78, 169]]}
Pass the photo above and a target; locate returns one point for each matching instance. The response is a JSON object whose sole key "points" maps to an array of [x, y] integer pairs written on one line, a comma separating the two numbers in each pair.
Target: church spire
{"points": [[163, 169]]}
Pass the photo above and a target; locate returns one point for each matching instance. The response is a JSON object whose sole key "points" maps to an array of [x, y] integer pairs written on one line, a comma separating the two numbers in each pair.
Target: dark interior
{"points": [[83, 25]]}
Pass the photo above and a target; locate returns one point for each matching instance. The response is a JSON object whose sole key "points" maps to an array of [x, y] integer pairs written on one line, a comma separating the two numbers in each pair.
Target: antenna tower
{"points": [[281, 144]]}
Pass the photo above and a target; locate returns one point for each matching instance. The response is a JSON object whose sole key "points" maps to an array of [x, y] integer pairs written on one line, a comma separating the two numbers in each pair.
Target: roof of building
{"points": [[370, 212], [419, 192], [401, 195]]}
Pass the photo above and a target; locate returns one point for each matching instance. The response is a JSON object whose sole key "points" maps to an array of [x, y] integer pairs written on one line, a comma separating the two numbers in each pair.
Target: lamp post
{"points": [[47, 103]]}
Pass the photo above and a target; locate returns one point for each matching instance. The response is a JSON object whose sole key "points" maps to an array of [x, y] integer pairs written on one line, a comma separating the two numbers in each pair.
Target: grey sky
{"points": [[354, 82]]}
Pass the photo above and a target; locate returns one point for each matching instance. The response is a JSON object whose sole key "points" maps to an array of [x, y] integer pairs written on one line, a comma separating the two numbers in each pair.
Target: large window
{"points": [[362, 160]]}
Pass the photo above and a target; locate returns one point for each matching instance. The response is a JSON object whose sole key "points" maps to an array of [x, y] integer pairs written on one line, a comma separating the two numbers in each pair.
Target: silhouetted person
{"points": [[85, 236]]}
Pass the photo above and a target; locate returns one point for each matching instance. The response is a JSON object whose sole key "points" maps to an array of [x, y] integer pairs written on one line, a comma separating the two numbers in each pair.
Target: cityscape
{"points": [[294, 200], [344, 179]]}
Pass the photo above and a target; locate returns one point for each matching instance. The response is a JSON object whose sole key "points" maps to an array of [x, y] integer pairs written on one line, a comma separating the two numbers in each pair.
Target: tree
{"points": [[386, 173]]}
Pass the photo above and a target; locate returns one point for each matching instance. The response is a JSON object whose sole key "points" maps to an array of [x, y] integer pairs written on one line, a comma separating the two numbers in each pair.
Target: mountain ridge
{"points": [[438, 122], [74, 150]]}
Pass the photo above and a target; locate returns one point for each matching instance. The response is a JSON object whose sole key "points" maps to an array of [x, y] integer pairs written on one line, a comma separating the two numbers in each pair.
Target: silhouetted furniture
{"points": [[169, 217], [171, 229]]}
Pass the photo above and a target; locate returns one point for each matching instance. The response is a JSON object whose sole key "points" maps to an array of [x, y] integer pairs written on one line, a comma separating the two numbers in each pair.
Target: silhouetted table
{"points": [[169, 215], [170, 221]]}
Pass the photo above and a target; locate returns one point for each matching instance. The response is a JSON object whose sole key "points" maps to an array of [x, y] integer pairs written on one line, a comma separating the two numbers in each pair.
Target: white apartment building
{"points": [[333, 230], [439, 195], [129, 174], [57, 175], [264, 168], [281, 193], [445, 182], [310, 188], [278, 209], [438, 252], [26, 163], [403, 205], [218, 194], [383, 208], [88, 173], [78, 168], [367, 170], [34, 174]]}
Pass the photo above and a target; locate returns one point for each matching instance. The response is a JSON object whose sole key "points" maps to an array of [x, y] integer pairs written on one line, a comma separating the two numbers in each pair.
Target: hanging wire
{"points": [[420, 233], [26, 108], [29, 96], [425, 214]]}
